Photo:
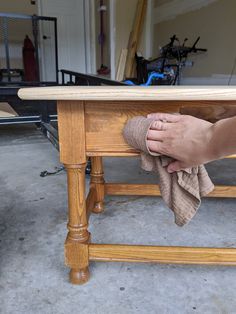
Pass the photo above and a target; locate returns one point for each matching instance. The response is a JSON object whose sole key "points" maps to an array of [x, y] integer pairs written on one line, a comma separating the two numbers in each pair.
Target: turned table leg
{"points": [[71, 127], [76, 245], [97, 180]]}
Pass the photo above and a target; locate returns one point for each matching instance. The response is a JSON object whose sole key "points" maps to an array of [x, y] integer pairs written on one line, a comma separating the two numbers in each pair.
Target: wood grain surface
{"points": [[154, 190], [154, 93], [162, 254], [104, 121], [71, 131]]}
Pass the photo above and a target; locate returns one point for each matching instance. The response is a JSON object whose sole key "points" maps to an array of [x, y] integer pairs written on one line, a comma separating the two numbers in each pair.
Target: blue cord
{"points": [[149, 81]]}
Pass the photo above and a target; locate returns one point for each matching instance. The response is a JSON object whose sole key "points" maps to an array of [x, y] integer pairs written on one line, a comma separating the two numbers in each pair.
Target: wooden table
{"points": [[90, 121]]}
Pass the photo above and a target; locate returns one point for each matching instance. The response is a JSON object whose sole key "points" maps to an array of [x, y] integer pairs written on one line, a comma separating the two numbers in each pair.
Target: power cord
{"points": [[46, 173]]}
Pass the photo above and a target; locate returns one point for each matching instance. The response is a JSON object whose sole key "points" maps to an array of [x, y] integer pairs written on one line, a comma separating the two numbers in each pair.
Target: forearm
{"points": [[224, 138], [191, 141]]}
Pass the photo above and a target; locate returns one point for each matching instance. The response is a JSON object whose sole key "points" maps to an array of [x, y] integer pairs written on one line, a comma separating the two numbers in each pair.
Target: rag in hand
{"points": [[182, 190]]}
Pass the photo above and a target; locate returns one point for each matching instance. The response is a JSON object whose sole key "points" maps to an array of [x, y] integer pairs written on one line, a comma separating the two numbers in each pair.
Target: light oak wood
{"points": [[162, 254], [71, 130], [121, 65], [97, 181], [73, 155], [154, 190], [132, 93], [6, 110], [76, 245], [135, 37], [90, 201], [112, 154], [132, 153], [104, 133], [90, 121], [210, 113]]}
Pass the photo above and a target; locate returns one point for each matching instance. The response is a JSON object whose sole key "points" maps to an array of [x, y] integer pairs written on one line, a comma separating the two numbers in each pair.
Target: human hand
{"points": [[184, 138]]}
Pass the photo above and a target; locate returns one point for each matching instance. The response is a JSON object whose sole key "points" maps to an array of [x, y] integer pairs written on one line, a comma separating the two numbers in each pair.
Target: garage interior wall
{"points": [[18, 29], [18, 6], [214, 21]]}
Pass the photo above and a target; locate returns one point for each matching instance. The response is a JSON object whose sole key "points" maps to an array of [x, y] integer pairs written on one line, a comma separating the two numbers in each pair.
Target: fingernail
{"points": [[170, 170]]}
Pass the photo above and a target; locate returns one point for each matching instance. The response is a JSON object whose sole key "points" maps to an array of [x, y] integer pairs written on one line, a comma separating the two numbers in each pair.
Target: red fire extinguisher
{"points": [[30, 65]]}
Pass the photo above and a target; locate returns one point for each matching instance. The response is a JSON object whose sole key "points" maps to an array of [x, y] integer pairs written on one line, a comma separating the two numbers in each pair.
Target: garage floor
{"points": [[33, 278]]}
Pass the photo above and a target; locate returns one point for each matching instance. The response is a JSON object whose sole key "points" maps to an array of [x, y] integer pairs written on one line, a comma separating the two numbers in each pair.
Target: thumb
{"points": [[174, 166]]}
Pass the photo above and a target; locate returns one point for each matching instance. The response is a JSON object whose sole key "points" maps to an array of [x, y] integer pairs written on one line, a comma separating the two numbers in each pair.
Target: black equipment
{"points": [[172, 59]]}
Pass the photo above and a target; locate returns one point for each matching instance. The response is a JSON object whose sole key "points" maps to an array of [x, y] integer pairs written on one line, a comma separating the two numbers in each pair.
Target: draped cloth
{"points": [[182, 190]]}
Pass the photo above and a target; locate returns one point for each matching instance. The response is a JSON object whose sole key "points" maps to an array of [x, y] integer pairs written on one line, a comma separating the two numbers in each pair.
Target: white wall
{"points": [[214, 21]]}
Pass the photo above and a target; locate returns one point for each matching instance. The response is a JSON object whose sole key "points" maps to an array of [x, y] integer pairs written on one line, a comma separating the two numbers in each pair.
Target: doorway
{"points": [[71, 36]]}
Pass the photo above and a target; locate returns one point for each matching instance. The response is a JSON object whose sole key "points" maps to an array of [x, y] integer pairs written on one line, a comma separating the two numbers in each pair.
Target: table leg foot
{"points": [[79, 276], [98, 208]]}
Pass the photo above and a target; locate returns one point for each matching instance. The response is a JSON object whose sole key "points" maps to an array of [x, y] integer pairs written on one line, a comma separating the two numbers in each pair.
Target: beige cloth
{"points": [[180, 190]]}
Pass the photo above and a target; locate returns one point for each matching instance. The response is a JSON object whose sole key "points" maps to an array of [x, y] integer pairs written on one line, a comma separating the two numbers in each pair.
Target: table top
{"points": [[129, 93]]}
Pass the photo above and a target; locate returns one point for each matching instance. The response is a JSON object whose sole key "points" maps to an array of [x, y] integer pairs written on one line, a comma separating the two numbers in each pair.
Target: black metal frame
{"points": [[29, 111], [35, 19], [76, 78], [46, 116], [9, 94], [44, 120]]}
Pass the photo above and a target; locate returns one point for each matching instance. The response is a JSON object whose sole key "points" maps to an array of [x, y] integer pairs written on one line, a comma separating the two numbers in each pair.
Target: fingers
{"points": [[155, 135], [159, 125], [175, 166], [155, 146], [165, 117]]}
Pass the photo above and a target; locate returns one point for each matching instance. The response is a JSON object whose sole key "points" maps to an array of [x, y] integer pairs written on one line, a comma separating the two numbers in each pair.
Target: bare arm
{"points": [[224, 137], [191, 141]]}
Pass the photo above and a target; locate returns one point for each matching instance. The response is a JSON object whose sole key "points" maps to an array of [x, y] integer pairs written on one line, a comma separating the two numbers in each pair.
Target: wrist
{"points": [[213, 147], [216, 143]]}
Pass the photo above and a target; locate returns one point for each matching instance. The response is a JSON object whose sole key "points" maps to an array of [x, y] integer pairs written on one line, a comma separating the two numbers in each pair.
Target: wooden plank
{"points": [[112, 154], [121, 65], [71, 132], [162, 254], [223, 191], [132, 153], [135, 36], [132, 93], [7, 111], [132, 189], [154, 190]]}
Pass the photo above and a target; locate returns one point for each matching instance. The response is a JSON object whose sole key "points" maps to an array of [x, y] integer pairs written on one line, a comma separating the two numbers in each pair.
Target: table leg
{"points": [[97, 180], [71, 127], [76, 245]]}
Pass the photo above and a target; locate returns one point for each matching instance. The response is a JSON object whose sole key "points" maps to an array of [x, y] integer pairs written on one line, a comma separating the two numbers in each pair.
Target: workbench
{"points": [[90, 122]]}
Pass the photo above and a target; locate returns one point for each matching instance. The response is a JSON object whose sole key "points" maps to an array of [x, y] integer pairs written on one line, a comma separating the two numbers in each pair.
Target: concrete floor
{"points": [[33, 278]]}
